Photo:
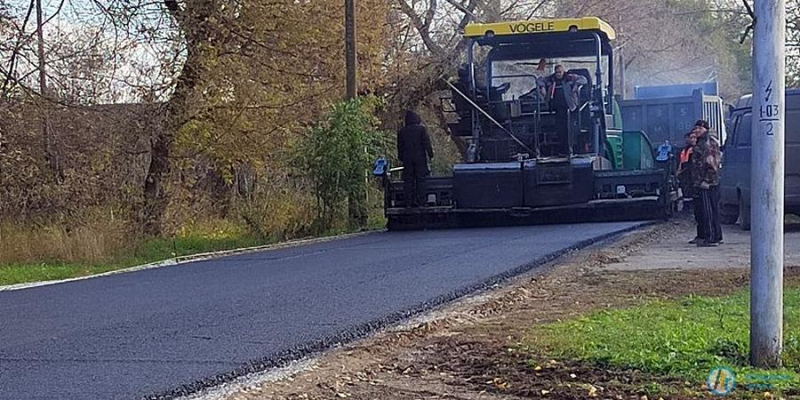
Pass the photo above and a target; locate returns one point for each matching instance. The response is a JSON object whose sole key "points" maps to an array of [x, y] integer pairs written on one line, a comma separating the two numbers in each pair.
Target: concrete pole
{"points": [[766, 286], [350, 47]]}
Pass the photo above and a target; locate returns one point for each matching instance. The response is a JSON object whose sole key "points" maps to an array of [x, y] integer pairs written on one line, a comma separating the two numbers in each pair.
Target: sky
{"points": [[95, 57]]}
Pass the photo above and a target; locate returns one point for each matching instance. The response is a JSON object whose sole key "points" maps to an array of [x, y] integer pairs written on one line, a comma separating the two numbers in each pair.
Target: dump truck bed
{"points": [[670, 118]]}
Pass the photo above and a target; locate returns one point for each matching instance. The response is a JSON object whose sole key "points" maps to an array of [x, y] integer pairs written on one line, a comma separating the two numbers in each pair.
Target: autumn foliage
{"points": [[165, 115]]}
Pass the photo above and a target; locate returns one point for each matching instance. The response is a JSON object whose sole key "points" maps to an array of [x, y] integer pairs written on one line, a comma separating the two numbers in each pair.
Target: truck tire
{"points": [[744, 215]]}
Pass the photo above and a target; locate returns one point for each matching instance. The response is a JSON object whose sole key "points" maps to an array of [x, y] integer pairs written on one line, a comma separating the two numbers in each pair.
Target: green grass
{"points": [[187, 242], [683, 339], [151, 250], [156, 249]]}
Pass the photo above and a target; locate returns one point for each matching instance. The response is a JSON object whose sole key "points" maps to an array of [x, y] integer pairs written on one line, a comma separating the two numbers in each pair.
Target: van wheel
{"points": [[744, 215], [728, 215]]}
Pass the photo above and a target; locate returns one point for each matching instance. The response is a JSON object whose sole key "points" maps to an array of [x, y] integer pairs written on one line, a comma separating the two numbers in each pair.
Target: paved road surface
{"points": [[137, 334]]}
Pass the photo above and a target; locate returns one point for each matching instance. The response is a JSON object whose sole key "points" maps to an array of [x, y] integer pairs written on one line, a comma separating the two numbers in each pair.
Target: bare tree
{"points": [[793, 43]]}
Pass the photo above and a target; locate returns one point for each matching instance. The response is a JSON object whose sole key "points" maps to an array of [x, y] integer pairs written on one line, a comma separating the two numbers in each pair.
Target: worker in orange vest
{"points": [[685, 179]]}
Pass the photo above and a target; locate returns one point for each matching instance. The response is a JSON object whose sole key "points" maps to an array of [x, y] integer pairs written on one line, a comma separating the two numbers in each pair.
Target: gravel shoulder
{"points": [[673, 252]]}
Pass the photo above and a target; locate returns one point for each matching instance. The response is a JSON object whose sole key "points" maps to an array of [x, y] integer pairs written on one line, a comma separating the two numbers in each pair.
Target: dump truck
{"points": [[668, 112], [521, 166]]}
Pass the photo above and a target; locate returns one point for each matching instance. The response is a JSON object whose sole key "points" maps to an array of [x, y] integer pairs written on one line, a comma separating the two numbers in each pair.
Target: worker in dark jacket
{"points": [[706, 163], [414, 149]]}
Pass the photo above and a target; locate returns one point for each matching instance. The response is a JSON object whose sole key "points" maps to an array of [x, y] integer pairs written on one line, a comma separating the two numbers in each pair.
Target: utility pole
{"points": [[40, 49], [766, 260], [356, 199], [50, 146], [350, 47]]}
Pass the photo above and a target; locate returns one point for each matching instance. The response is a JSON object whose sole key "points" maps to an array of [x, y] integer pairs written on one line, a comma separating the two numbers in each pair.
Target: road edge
{"points": [[176, 261]]}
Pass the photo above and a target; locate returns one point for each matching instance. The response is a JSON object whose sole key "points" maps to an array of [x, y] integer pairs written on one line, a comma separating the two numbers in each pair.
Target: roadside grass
{"points": [[150, 250], [682, 339], [63, 262]]}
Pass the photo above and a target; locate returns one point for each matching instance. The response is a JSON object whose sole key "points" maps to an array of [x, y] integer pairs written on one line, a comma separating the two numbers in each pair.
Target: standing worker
{"points": [[562, 90], [414, 150], [687, 184], [706, 162]]}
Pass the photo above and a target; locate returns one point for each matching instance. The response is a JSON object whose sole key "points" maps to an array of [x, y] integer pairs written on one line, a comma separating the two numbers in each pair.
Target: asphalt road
{"points": [[173, 329]]}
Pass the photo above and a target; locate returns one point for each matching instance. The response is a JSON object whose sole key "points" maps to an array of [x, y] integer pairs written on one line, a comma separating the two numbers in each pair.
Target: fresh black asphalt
{"points": [[172, 330]]}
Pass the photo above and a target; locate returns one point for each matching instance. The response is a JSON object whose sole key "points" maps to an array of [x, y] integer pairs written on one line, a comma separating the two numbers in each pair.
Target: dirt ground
{"points": [[467, 350]]}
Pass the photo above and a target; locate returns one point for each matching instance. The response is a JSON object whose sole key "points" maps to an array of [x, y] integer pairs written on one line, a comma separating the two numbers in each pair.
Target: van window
{"points": [[792, 127], [743, 130]]}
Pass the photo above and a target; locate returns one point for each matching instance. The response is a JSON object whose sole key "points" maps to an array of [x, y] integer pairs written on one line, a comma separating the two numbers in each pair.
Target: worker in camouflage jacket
{"points": [[706, 164]]}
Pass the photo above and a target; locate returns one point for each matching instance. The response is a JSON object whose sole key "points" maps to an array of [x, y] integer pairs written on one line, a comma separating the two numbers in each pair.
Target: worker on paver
{"points": [[706, 162], [414, 150], [562, 90], [687, 185]]}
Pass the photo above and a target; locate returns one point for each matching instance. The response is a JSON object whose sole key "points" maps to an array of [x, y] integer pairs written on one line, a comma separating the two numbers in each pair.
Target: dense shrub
{"points": [[335, 156]]}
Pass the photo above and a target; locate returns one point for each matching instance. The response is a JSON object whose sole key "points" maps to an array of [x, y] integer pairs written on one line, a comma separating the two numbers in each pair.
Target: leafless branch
{"points": [[15, 52], [467, 10], [749, 27], [537, 8], [422, 29]]}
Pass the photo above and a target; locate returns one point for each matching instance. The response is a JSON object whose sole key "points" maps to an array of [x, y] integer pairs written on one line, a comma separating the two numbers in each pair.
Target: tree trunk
{"points": [[155, 196], [177, 114], [192, 20]]}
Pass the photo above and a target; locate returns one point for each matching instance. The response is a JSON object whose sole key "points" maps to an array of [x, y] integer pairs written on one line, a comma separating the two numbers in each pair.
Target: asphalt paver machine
{"points": [[522, 165]]}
